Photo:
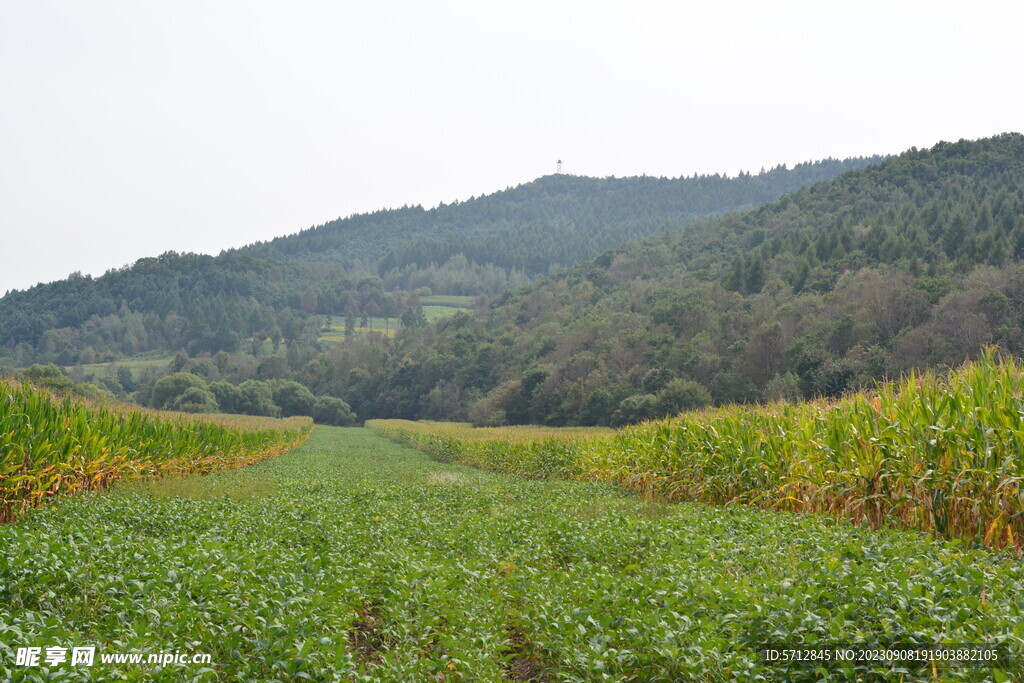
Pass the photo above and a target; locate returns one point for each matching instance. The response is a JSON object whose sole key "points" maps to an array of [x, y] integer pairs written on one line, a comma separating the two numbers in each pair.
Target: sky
{"points": [[128, 129]]}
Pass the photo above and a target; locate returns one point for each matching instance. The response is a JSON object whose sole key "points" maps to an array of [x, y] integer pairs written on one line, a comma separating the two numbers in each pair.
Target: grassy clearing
{"points": [[51, 445], [937, 454], [336, 331], [449, 300], [436, 307], [370, 561], [435, 313], [133, 363]]}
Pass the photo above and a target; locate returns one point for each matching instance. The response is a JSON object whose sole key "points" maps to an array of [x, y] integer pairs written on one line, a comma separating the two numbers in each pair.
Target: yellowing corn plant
{"points": [[51, 445], [943, 454]]}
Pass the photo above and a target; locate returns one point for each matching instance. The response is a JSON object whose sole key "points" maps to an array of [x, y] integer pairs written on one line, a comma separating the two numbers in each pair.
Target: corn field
{"points": [[937, 453], [52, 445]]}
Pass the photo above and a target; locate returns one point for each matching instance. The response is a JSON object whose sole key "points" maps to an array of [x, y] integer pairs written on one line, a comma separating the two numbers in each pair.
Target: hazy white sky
{"points": [[131, 128]]}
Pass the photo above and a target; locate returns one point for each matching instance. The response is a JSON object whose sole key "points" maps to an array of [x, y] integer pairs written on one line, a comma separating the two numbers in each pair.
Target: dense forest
{"points": [[557, 220], [370, 264], [915, 261]]}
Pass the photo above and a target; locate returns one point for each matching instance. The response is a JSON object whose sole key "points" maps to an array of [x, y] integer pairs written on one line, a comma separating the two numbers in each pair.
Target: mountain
{"points": [[372, 262], [912, 262], [556, 220]]}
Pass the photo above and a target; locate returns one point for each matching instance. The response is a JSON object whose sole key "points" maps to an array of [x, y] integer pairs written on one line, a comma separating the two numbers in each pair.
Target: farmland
{"points": [[354, 558], [53, 445], [934, 453]]}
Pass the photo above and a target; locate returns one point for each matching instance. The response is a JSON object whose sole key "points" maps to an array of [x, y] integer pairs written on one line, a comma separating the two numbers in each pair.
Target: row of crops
{"points": [[939, 453], [351, 558], [56, 445]]}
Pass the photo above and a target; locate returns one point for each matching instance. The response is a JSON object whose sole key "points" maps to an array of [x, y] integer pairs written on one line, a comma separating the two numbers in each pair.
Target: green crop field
{"points": [[52, 445], [354, 558], [935, 453]]}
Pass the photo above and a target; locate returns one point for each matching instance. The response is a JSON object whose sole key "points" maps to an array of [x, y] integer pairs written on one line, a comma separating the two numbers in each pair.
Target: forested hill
{"points": [[913, 262], [275, 290], [554, 220]]}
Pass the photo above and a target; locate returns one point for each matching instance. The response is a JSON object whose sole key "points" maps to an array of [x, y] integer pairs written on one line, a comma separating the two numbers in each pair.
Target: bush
{"points": [[292, 398], [169, 389], [329, 410], [636, 408], [679, 395], [49, 377], [256, 398], [228, 396], [196, 400]]}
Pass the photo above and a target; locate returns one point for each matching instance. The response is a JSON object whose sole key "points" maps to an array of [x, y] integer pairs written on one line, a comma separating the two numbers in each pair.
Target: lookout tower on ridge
{"points": [[558, 167]]}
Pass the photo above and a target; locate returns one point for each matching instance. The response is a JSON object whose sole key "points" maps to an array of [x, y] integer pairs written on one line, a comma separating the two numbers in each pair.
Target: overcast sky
{"points": [[131, 128]]}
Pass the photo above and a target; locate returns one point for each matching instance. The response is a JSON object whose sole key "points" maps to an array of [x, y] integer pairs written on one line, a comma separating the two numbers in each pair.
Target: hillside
{"points": [[365, 264], [914, 262], [556, 220]]}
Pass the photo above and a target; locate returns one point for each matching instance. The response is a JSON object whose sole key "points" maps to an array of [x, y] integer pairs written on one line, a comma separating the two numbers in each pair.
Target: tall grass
{"points": [[51, 444], [943, 454]]}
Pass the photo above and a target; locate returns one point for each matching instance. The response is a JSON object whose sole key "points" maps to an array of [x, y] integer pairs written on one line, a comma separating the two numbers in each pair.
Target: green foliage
{"points": [[365, 264], [835, 286], [911, 263], [636, 408], [256, 398], [329, 410], [168, 390], [195, 400], [292, 398], [55, 444], [938, 454], [49, 377], [680, 395], [228, 396], [353, 558]]}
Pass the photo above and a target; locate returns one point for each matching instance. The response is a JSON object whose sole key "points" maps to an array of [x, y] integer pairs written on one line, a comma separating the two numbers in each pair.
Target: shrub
{"points": [[168, 389]]}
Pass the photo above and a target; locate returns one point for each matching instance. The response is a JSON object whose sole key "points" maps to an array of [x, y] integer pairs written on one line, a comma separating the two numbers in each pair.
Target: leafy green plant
{"points": [[58, 445], [936, 453], [360, 559]]}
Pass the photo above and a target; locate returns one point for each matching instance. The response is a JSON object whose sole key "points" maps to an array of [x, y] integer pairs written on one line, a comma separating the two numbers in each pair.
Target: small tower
{"points": [[558, 168]]}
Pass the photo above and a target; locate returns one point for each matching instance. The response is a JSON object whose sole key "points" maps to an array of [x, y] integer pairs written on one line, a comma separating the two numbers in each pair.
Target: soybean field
{"points": [[355, 558]]}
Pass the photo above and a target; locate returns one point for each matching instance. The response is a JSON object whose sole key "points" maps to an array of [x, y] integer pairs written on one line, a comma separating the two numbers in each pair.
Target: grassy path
{"points": [[354, 558]]}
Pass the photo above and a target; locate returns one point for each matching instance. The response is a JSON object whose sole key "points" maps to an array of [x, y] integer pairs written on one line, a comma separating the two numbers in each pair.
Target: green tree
{"points": [[679, 395], [227, 395], [167, 389], [49, 377], [256, 398], [195, 400], [292, 398], [636, 408], [125, 379], [329, 410]]}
